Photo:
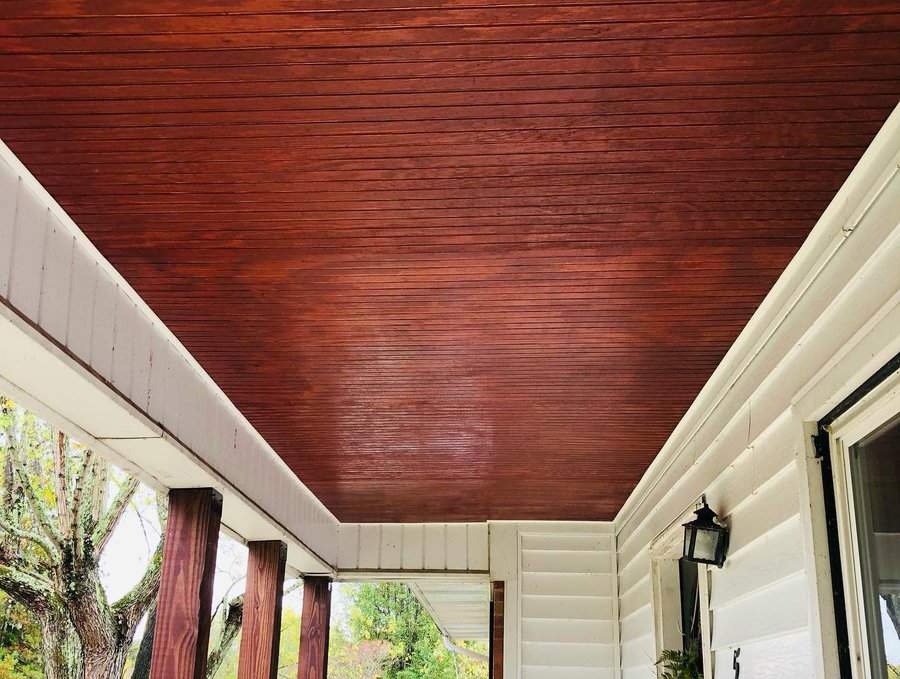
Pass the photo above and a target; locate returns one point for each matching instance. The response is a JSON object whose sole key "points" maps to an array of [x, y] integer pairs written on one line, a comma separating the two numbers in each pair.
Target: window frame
{"points": [[879, 408]]}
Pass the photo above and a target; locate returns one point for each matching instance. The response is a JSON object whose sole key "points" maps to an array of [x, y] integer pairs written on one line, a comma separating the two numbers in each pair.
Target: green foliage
{"points": [[682, 664], [391, 613], [20, 642]]}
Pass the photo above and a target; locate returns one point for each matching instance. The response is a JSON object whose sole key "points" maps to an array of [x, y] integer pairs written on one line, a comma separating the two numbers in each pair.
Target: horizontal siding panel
{"points": [[566, 655], [639, 652], [774, 611], [567, 607], [566, 584], [569, 543], [540, 561], [634, 569], [773, 504], [638, 624], [777, 555], [638, 596], [785, 657], [530, 672], [568, 631]]}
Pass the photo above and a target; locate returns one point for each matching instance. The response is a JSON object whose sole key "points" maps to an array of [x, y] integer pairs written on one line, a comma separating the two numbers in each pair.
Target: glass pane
{"points": [[876, 490], [706, 545]]}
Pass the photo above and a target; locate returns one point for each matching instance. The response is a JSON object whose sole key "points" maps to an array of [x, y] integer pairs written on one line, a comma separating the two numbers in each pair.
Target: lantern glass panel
{"points": [[705, 544]]}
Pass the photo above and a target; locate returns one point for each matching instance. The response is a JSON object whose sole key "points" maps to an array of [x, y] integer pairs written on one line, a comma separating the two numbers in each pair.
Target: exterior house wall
{"points": [[81, 345], [832, 320], [560, 598]]}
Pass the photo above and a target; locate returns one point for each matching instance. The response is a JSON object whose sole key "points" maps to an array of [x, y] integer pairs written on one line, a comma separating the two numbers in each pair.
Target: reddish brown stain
{"points": [[454, 260]]}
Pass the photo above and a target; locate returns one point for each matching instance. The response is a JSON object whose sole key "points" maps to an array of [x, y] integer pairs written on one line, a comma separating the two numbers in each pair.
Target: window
{"points": [[865, 461], [875, 479]]}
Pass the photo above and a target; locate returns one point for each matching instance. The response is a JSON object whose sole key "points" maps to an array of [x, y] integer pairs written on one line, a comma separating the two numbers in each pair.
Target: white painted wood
{"points": [[369, 546], [773, 611], [54, 304], [435, 546], [391, 546], [478, 553], [348, 546], [10, 187], [28, 243], [542, 672], [784, 657], [413, 546], [457, 546], [549, 607], [459, 607], [556, 655]]}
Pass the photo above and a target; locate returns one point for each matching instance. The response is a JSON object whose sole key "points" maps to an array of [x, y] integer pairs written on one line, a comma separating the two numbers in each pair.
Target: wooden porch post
{"points": [[314, 627], [181, 638], [495, 669], [262, 610]]}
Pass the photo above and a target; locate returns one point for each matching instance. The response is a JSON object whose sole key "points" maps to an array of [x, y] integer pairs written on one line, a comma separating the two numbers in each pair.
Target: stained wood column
{"points": [[181, 638], [262, 610], [314, 628], [495, 663]]}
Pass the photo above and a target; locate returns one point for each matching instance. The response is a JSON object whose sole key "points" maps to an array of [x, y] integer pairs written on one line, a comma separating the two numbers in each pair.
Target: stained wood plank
{"points": [[498, 608], [482, 239], [261, 629], [183, 613], [314, 628]]}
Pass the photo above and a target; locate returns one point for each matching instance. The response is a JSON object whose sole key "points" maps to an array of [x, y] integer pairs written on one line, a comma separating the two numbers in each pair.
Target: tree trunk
{"points": [[106, 665], [61, 647], [145, 651]]}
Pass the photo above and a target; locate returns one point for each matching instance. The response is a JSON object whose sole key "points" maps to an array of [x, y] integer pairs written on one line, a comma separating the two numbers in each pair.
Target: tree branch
{"points": [[231, 625], [110, 519], [131, 608], [60, 481], [78, 509], [34, 503], [29, 589], [22, 534]]}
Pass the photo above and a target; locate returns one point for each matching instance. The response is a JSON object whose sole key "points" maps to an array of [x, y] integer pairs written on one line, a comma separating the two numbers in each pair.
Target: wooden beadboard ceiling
{"points": [[454, 260]]}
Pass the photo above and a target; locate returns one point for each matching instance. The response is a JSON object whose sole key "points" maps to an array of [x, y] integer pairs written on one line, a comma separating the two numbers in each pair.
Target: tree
{"points": [[60, 507], [390, 612]]}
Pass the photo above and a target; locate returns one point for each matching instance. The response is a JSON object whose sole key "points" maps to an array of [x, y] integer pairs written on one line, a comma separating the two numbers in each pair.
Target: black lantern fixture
{"points": [[705, 540]]}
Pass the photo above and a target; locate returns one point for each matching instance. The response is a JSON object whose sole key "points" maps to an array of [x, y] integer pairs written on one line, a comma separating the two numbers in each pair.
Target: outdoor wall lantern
{"points": [[705, 540]]}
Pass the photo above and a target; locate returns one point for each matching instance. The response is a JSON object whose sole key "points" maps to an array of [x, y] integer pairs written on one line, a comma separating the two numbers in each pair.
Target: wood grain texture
{"points": [[495, 667], [455, 261], [314, 628], [181, 639], [261, 629]]}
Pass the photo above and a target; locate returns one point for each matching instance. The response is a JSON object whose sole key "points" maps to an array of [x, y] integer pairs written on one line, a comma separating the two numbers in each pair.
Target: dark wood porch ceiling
{"points": [[454, 260]]}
